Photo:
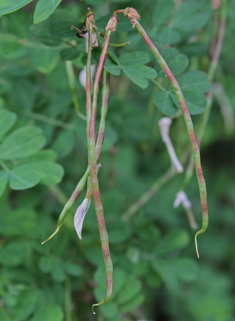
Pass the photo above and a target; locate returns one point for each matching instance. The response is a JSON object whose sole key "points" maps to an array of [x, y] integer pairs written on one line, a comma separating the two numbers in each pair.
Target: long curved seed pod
{"points": [[132, 15], [82, 183], [213, 67], [111, 27]]}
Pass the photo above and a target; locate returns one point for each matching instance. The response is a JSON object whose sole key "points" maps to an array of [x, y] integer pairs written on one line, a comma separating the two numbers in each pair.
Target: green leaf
{"points": [[186, 269], [134, 58], [133, 303], [168, 36], [22, 142], [23, 177], [57, 272], [46, 264], [44, 36], [195, 102], [188, 18], [174, 241], [25, 306], [50, 173], [73, 269], [176, 61], [45, 59], [138, 73], [30, 174], [163, 102], [4, 176], [24, 94], [18, 222], [64, 143], [162, 11], [165, 269], [194, 81], [13, 253], [49, 313], [7, 120], [119, 280], [112, 67], [131, 289], [69, 53], [63, 29], [7, 6], [44, 8], [109, 310], [132, 65], [47, 155]]}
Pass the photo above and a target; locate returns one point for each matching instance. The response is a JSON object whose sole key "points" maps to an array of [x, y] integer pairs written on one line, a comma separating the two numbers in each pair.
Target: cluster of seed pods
{"points": [[95, 143]]}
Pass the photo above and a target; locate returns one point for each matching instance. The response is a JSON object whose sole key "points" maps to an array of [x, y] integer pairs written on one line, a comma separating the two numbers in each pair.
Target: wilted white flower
{"points": [[164, 124], [181, 198], [80, 215], [82, 76]]}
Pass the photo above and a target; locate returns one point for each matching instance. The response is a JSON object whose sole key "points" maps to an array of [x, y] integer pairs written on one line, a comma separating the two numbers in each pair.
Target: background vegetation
{"points": [[157, 275]]}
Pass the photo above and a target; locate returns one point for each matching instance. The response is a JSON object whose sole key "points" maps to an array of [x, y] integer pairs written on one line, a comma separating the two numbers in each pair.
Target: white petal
{"points": [[80, 215], [164, 124], [181, 197]]}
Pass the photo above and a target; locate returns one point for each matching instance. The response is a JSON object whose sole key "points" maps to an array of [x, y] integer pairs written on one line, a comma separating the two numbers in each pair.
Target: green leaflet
{"points": [[176, 61], [7, 6], [45, 59], [49, 313], [23, 142], [4, 176], [188, 18], [44, 9], [7, 121], [133, 65], [193, 84], [194, 81], [69, 53], [29, 175], [164, 103]]}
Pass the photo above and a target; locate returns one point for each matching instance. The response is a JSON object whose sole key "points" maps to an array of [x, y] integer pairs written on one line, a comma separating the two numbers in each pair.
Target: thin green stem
{"points": [[50, 121], [159, 85], [149, 194], [133, 16], [4, 166], [72, 85]]}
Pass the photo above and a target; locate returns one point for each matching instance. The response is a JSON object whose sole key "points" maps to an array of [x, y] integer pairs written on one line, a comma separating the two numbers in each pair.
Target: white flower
{"points": [[82, 76], [80, 215], [181, 197], [164, 124]]}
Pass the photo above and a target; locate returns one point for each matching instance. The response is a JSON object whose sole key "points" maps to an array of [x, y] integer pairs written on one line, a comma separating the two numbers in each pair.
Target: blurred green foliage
{"points": [[156, 273]]}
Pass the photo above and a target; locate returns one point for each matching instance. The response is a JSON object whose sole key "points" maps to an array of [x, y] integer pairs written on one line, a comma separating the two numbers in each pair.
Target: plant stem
{"points": [[50, 121], [149, 194], [94, 178], [189, 127], [72, 85], [219, 44]]}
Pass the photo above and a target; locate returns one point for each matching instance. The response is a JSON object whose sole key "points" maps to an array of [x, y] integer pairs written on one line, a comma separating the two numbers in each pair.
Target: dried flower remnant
{"points": [[132, 15], [181, 198], [164, 124]]}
